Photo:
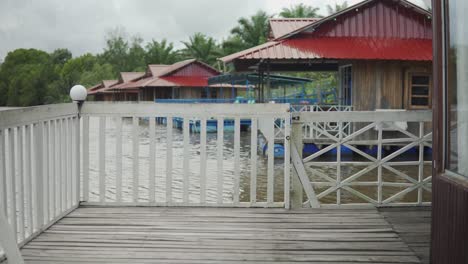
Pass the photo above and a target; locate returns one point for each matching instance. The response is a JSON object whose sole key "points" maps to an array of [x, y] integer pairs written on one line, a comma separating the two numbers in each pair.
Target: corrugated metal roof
{"points": [[157, 69], [185, 73], [381, 13], [282, 26], [130, 76], [187, 81], [372, 29], [345, 48], [102, 87]]}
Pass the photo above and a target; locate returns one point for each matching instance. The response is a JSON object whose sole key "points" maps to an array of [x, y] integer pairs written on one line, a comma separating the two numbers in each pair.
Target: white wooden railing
{"points": [[385, 177], [172, 166], [310, 133], [124, 154], [39, 167]]}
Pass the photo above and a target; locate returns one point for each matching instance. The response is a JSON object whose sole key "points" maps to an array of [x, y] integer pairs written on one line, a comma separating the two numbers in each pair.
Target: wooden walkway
{"points": [[222, 235], [413, 225]]}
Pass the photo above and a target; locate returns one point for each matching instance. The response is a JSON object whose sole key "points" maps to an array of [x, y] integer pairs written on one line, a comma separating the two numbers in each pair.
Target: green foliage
{"points": [[98, 73], [33, 77], [74, 68], [252, 31], [201, 47], [300, 10], [332, 9], [24, 77], [160, 53]]}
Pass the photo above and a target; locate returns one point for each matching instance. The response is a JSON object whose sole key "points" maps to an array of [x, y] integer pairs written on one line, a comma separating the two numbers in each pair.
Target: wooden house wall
{"points": [[382, 84]]}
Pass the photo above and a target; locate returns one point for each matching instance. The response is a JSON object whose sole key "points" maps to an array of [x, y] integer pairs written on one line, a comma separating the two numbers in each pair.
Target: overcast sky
{"points": [[81, 25]]}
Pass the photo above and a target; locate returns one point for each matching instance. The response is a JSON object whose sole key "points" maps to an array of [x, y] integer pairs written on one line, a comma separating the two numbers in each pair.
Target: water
{"points": [[177, 170], [212, 169]]}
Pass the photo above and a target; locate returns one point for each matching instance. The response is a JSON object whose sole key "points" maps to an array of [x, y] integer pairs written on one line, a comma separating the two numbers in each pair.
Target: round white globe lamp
{"points": [[78, 93]]}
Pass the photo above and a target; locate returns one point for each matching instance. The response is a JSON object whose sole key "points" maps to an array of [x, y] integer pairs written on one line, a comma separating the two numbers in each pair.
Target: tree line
{"points": [[34, 77]]}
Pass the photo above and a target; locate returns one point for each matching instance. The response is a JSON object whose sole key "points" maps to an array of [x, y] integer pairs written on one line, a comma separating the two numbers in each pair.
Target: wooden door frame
{"points": [[449, 233]]}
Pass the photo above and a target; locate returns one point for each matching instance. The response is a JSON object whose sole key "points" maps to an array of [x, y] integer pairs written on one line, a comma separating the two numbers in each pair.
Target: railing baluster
{"points": [[253, 161], [338, 162], [152, 159], [58, 158], [169, 122], [52, 170], [287, 162], [220, 155], [71, 182], [3, 173], [52, 177], [236, 160], [38, 130], [63, 156], [102, 159], [379, 160], [63, 143], [86, 158], [270, 130], [77, 159], [20, 177], [45, 172], [136, 144], [421, 162], [118, 157], [28, 178], [186, 176], [203, 160], [12, 192]]}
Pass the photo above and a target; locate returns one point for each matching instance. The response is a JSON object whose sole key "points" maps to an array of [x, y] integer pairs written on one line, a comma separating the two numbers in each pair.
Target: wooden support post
{"points": [[296, 186]]}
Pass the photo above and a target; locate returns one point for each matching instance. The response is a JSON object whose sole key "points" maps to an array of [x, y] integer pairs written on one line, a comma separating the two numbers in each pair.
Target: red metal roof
{"points": [[373, 29], [282, 26], [104, 86], [345, 48], [189, 73], [130, 76]]}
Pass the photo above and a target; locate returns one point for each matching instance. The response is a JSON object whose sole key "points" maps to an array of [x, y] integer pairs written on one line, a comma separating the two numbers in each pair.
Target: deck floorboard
{"points": [[225, 235]]}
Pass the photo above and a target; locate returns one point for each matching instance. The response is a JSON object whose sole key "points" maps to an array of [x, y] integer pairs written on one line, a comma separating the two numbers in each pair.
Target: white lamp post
{"points": [[78, 93]]}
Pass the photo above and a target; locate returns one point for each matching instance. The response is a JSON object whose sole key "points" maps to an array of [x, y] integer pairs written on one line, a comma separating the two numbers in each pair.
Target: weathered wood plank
{"points": [[220, 235]]}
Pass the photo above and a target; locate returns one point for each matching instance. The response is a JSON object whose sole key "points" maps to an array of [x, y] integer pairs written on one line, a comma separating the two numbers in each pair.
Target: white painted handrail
{"points": [[383, 178], [151, 154], [39, 167]]}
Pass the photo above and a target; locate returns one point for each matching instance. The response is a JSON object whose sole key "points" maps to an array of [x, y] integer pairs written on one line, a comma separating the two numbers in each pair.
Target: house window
{"points": [[419, 91]]}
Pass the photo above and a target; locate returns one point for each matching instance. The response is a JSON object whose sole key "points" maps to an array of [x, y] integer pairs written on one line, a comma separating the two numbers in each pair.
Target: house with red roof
{"points": [[102, 91], [381, 49], [182, 80]]}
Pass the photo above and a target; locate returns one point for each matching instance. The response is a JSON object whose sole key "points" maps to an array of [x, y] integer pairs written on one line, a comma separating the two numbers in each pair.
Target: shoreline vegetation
{"points": [[35, 77]]}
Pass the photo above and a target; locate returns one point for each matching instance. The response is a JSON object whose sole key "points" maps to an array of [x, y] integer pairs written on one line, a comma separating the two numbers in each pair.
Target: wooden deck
{"points": [[224, 235], [413, 225]]}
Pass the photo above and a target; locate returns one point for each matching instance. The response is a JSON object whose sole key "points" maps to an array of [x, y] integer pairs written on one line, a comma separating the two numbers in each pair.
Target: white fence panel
{"points": [[183, 155], [376, 162], [35, 169]]}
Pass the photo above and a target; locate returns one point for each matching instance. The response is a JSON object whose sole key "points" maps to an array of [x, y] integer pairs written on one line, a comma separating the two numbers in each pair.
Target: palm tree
{"points": [[300, 11], [160, 53], [337, 8], [201, 47], [252, 31]]}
